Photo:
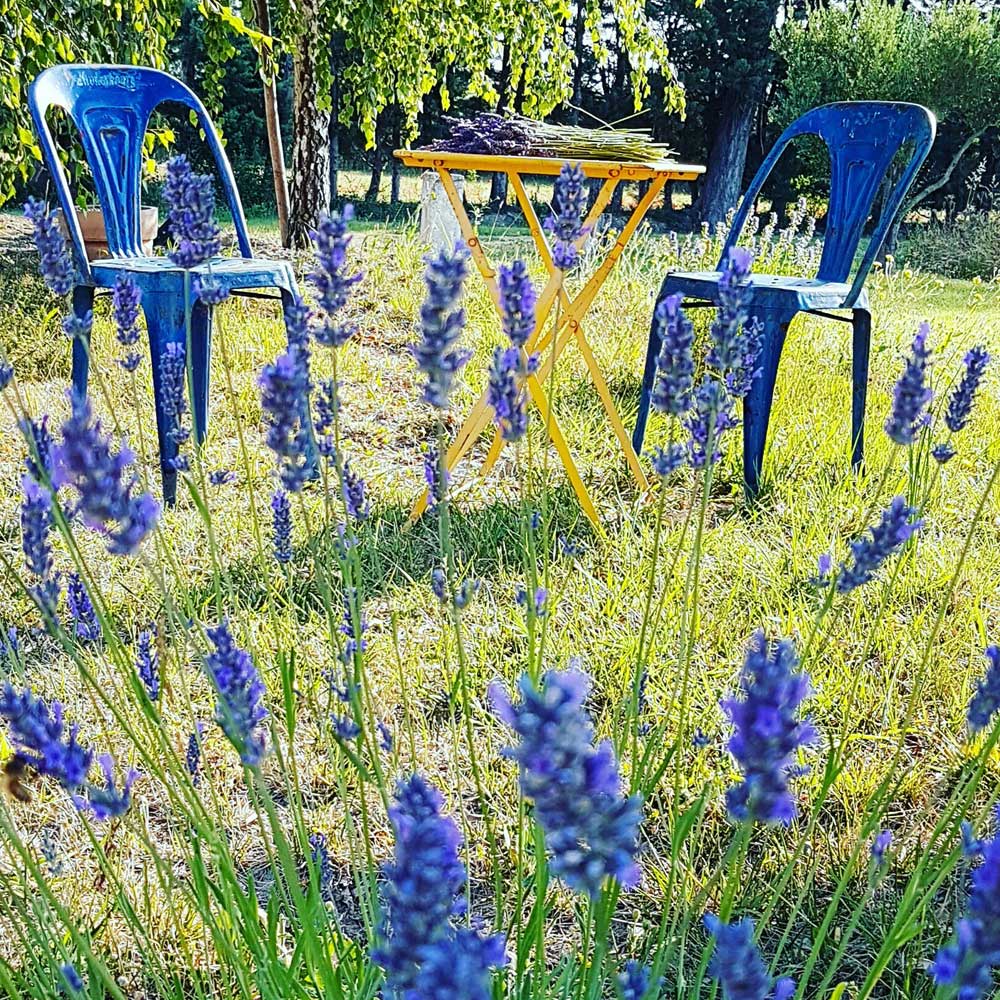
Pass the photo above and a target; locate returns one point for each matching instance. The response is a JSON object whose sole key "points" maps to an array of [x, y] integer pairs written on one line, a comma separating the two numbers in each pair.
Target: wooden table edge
{"points": [[431, 159]]}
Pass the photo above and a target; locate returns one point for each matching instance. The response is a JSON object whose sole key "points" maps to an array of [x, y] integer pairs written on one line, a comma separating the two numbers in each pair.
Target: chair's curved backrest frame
{"points": [[111, 107], [862, 138]]}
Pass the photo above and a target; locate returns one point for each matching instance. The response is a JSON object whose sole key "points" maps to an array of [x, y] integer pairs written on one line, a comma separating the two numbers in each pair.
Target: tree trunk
{"points": [[273, 123], [498, 182], [578, 36], [727, 158], [395, 168], [334, 116], [311, 154]]}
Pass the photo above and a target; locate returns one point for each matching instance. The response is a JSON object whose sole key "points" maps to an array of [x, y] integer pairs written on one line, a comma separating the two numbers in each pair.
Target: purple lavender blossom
{"points": [[191, 201], [192, 758], [738, 966], [36, 543], [85, 624], [768, 731], [221, 477], [330, 278], [423, 884], [84, 459], [208, 290], [986, 701], [345, 728], [40, 739], [569, 205], [869, 552], [674, 364], [240, 708], [6, 373], [320, 856], [78, 327], [436, 477], [281, 520], [539, 602], [284, 389], [441, 324], [327, 405], [710, 417], [517, 302], [590, 826], [356, 502], [735, 340], [635, 982], [55, 264], [147, 662], [38, 461], [355, 642], [911, 395], [881, 844], [126, 299], [967, 963], [71, 978], [459, 967], [666, 461], [942, 452], [110, 801], [960, 403], [173, 380], [506, 391]]}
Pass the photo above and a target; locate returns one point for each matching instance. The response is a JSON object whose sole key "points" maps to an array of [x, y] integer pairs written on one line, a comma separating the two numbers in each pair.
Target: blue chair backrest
{"points": [[111, 107], [863, 138]]}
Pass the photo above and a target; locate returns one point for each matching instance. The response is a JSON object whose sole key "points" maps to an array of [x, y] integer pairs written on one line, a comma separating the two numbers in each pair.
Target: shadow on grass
{"points": [[394, 554]]}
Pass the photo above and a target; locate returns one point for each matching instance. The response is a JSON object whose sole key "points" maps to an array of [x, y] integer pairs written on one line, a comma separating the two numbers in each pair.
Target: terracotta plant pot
{"points": [[95, 239]]}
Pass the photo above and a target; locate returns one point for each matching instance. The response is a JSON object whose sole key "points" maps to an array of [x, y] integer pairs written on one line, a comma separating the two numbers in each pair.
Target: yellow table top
{"points": [[431, 158]]}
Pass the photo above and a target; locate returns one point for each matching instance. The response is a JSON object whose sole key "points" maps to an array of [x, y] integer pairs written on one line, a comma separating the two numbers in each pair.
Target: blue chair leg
{"points": [[862, 324], [83, 302], [201, 358], [648, 376], [166, 325], [757, 405]]}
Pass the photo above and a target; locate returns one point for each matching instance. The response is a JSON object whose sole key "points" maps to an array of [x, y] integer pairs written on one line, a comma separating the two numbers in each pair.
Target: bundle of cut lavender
{"points": [[497, 135]]}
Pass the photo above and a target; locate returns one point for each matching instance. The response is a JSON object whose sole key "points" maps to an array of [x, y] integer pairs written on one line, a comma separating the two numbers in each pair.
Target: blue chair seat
{"points": [[863, 138], [162, 274], [773, 292]]}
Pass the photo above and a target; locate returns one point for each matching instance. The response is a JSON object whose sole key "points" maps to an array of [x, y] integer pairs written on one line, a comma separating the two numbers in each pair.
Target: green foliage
{"points": [[947, 59], [967, 247], [36, 34]]}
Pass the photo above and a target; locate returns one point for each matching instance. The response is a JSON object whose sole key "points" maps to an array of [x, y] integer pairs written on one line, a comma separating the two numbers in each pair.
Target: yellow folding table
{"points": [[571, 311]]}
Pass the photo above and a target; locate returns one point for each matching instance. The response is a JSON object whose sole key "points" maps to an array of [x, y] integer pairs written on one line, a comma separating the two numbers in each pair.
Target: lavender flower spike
{"points": [[735, 340], [81, 608], [110, 801], [55, 264], [147, 662], [674, 364], [506, 391], [240, 708], [441, 324], [125, 303], [40, 738], [36, 543], [191, 201], [960, 403], [590, 826], [566, 223], [281, 519], [517, 302], [423, 883], [967, 963], [738, 966], [459, 966], [710, 417], [768, 731], [635, 980], [986, 701], [330, 279], [911, 395], [869, 552], [284, 391]]}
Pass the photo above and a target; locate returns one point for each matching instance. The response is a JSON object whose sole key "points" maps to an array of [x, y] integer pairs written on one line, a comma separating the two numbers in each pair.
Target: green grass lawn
{"points": [[755, 567]]}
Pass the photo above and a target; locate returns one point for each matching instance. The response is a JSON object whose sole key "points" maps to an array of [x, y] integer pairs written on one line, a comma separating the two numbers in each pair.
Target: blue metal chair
{"points": [[863, 138], [111, 107]]}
